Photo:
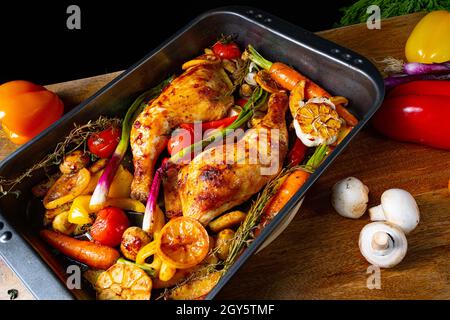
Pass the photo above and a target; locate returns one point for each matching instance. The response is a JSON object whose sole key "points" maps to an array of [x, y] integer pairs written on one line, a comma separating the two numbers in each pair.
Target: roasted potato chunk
{"points": [[98, 165], [62, 224], [74, 162], [52, 213], [227, 220], [223, 243], [195, 288], [67, 188], [133, 239], [41, 189]]}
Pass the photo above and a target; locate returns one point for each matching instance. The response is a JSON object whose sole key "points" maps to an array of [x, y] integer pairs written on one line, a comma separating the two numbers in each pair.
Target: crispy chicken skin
{"points": [[211, 184], [201, 93]]}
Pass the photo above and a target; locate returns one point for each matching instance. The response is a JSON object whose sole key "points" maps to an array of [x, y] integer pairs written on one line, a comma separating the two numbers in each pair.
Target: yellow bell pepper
{"points": [[120, 186], [429, 42], [80, 210]]}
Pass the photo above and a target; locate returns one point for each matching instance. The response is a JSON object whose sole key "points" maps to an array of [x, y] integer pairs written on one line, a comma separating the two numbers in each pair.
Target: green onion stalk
{"points": [[257, 99], [102, 189]]}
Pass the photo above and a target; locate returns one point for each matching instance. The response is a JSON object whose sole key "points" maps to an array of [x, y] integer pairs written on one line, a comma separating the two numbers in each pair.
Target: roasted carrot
{"points": [[288, 188], [346, 115], [94, 255], [288, 78]]}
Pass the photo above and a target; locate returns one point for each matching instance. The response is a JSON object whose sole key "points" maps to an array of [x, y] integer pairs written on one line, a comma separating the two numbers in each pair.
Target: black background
{"points": [[36, 45]]}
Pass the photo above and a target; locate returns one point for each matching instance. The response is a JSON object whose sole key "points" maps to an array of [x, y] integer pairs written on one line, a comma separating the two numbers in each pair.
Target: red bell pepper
{"points": [[186, 137], [297, 153], [417, 112]]}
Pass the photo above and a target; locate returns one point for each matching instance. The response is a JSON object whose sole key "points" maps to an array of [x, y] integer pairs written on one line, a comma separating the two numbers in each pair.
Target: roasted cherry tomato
{"points": [[241, 101], [181, 138], [103, 143], [109, 226], [26, 109], [226, 50]]}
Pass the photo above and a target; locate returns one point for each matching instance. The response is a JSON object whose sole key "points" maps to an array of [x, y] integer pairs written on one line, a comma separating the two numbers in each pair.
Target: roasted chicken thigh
{"points": [[227, 175], [201, 93]]}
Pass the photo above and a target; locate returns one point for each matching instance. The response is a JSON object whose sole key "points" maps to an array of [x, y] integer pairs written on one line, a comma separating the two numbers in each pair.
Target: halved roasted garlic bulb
{"points": [[316, 122]]}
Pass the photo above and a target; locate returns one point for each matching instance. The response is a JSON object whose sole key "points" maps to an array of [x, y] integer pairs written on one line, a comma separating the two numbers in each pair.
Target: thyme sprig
{"points": [[74, 140]]}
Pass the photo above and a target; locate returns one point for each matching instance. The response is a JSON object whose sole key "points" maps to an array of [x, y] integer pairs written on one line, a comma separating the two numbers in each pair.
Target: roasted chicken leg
{"points": [[222, 177], [201, 93]]}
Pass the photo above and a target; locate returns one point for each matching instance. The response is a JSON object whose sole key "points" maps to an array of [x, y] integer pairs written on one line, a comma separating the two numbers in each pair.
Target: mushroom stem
{"points": [[377, 213], [380, 241]]}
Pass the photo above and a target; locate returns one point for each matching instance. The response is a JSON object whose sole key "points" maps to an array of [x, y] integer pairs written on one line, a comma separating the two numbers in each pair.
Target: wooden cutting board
{"points": [[317, 256]]}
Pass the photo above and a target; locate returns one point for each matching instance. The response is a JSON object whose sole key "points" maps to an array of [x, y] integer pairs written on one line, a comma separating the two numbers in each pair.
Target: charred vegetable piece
{"points": [[98, 166], [74, 162], [123, 282], [196, 288], [92, 254], [52, 213], [201, 60], [227, 220], [223, 243], [41, 189], [266, 82], [67, 188], [133, 239], [62, 224]]}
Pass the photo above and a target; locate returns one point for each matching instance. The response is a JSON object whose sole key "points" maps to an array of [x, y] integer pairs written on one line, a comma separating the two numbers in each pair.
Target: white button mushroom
{"points": [[398, 207], [349, 197], [383, 244]]}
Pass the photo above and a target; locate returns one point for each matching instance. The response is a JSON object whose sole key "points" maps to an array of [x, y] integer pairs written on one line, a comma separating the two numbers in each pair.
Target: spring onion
{"points": [[395, 80], [257, 99], [101, 191]]}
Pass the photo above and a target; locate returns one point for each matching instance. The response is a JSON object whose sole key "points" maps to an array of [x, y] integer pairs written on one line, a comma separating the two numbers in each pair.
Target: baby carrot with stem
{"points": [[288, 78], [292, 182]]}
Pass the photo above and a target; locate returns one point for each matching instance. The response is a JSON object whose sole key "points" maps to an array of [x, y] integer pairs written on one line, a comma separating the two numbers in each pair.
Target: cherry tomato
{"points": [[103, 144], [109, 226], [227, 51], [181, 138]]}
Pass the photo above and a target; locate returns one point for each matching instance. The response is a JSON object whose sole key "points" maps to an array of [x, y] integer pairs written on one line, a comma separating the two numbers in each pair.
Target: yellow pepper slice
{"points": [[430, 40], [80, 210], [126, 204], [121, 184]]}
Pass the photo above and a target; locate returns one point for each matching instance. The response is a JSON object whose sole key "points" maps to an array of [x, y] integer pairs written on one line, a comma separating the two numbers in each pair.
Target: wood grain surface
{"points": [[317, 256]]}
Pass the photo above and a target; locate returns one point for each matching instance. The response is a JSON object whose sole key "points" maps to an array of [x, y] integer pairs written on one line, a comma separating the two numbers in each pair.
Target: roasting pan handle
{"points": [[15, 251], [308, 38]]}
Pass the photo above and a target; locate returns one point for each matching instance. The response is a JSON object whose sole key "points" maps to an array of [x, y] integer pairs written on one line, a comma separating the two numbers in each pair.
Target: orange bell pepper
{"points": [[26, 109]]}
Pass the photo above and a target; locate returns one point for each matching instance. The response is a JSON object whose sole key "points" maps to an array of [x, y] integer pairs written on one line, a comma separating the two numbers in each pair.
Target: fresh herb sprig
{"points": [[357, 12]]}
